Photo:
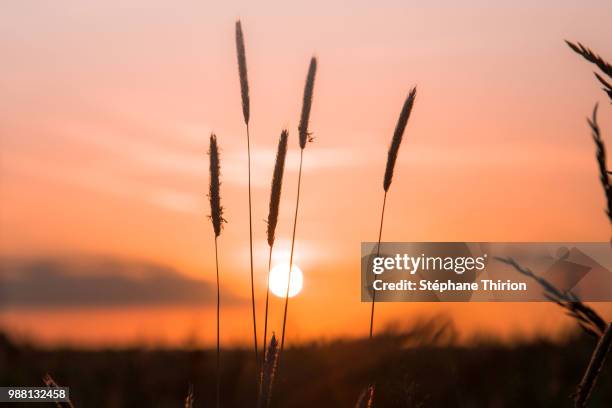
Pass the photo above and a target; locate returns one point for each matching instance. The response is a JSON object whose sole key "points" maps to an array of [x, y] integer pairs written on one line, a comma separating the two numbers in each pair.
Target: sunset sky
{"points": [[106, 110]]}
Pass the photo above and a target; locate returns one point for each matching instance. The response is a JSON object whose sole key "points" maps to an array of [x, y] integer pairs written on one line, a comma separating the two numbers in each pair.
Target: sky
{"points": [[105, 115]]}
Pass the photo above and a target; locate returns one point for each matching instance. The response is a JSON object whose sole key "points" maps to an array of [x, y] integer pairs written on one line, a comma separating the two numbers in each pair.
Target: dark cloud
{"points": [[95, 282]]}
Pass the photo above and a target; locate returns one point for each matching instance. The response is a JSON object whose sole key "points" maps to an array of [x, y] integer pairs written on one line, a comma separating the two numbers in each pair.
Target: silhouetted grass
{"points": [[366, 399], [307, 103], [304, 133], [190, 398], [275, 194], [417, 367], [246, 109], [268, 372], [594, 58], [50, 382], [216, 216], [594, 368], [398, 134], [587, 318], [604, 174]]}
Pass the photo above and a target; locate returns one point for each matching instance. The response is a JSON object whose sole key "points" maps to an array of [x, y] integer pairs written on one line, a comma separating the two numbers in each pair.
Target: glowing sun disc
{"points": [[279, 275]]}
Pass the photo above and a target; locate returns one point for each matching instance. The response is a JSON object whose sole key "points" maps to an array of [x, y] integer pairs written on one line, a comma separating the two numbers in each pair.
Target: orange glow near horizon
{"points": [[107, 108]]}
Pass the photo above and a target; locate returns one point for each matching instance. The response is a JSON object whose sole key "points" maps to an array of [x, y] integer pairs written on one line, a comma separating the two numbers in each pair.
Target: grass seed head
{"points": [[242, 70], [397, 138], [216, 211], [307, 103]]}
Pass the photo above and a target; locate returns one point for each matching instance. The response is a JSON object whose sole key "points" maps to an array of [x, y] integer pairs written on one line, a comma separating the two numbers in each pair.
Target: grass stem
{"points": [[251, 250], [594, 368], [297, 204], [218, 398], [382, 217]]}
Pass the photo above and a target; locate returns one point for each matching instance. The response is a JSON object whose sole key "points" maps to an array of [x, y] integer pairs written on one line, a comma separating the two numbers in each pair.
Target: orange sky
{"points": [[106, 111]]}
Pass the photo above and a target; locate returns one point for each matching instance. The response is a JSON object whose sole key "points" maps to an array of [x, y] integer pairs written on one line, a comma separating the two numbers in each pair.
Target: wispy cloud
{"points": [[166, 168], [175, 200]]}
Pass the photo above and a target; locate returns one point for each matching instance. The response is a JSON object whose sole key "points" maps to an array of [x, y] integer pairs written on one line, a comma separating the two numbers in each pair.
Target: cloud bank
{"points": [[98, 282]]}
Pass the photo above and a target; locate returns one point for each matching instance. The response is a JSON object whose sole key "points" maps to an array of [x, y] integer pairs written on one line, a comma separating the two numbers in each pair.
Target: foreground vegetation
{"points": [[419, 367]]}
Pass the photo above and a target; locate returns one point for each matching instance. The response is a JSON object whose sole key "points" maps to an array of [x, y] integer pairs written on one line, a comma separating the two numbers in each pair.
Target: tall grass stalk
{"points": [[594, 368], [275, 194], [604, 331], [304, 135], [244, 90], [50, 382], [398, 134], [606, 68], [597, 60], [591, 56], [604, 174], [588, 319], [366, 398], [268, 372], [189, 399], [216, 216]]}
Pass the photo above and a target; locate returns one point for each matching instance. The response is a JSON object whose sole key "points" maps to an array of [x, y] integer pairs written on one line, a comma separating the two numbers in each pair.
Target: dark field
{"points": [[420, 367]]}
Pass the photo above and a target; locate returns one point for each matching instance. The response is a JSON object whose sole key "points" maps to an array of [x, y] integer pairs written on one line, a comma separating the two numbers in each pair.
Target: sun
{"points": [[279, 276]]}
